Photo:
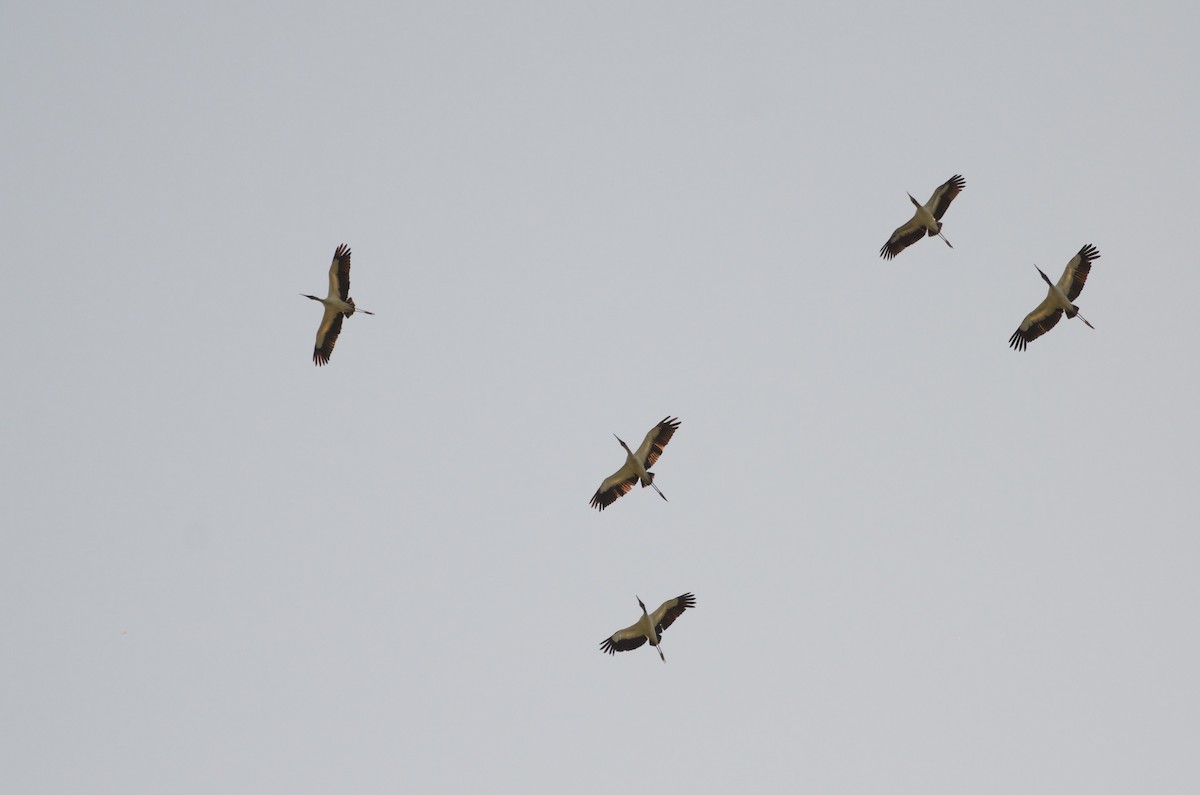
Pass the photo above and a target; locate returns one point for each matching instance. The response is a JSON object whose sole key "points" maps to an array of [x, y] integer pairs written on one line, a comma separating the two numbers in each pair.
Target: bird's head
{"points": [[1045, 278], [914, 201], [640, 604], [313, 297], [618, 438]]}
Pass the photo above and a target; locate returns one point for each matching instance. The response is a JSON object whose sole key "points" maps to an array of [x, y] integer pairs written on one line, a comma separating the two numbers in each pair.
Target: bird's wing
{"points": [[624, 639], [669, 610], [1036, 323], [616, 485], [656, 439], [1075, 276], [945, 194], [327, 334], [339, 273], [902, 238]]}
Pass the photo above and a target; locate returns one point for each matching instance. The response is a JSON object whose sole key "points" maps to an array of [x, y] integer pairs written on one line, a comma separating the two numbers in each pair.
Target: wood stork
{"points": [[926, 220], [338, 305], [620, 482], [649, 627], [1058, 299]]}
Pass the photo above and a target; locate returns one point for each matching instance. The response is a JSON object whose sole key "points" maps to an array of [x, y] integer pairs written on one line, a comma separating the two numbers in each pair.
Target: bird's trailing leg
{"points": [[656, 488], [659, 647], [1084, 319], [944, 240]]}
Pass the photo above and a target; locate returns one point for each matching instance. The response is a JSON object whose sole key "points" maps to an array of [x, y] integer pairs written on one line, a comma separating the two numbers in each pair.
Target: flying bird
{"points": [[649, 627], [619, 483], [338, 305], [1058, 299], [926, 220]]}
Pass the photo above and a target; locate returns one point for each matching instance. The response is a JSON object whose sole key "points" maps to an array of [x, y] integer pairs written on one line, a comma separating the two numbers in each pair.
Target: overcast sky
{"points": [[923, 562]]}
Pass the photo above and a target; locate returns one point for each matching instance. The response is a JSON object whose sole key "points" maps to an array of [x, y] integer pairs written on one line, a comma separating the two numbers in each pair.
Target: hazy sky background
{"points": [[923, 562]]}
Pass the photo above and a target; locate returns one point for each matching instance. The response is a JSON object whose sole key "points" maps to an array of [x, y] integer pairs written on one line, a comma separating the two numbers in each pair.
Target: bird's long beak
{"points": [[914, 201], [618, 438]]}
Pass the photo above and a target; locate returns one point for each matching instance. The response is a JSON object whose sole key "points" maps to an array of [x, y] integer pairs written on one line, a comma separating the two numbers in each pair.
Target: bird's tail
{"points": [[943, 237], [650, 482], [354, 308]]}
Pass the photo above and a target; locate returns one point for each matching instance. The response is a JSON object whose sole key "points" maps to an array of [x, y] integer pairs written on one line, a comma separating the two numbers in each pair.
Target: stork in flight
{"points": [[619, 483], [649, 627], [338, 305], [1058, 299], [926, 220]]}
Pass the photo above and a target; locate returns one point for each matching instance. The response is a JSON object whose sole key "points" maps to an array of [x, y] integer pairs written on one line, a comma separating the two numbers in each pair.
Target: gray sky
{"points": [[923, 562]]}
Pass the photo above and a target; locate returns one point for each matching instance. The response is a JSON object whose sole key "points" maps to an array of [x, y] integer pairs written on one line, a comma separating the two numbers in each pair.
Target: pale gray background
{"points": [[924, 563]]}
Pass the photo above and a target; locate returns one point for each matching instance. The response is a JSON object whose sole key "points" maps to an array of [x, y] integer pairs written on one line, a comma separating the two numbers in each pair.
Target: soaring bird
{"points": [[926, 220], [1058, 299], [338, 305], [620, 482], [649, 627]]}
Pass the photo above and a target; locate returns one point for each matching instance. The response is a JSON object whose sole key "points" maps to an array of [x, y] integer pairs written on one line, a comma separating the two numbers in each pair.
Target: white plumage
{"points": [[338, 305], [636, 465], [649, 627], [1058, 299], [926, 220]]}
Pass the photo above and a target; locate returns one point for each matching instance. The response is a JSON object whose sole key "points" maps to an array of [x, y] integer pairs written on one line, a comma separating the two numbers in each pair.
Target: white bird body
{"points": [[637, 465], [924, 217], [926, 220], [1056, 294], [338, 305], [649, 627], [632, 462], [1058, 300]]}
